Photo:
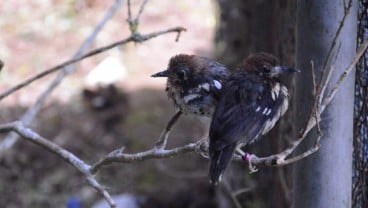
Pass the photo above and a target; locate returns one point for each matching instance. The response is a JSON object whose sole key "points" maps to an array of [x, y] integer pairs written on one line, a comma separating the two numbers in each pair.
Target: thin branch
{"points": [[137, 38], [29, 135], [141, 8], [230, 193], [161, 142], [242, 191], [11, 139], [133, 23], [284, 185], [314, 78], [129, 11], [119, 156], [321, 95], [362, 49], [346, 13], [1, 65]]}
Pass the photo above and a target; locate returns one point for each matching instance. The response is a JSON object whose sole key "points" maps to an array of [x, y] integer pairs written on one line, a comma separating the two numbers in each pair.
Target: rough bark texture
{"points": [[248, 26], [360, 174], [324, 179]]}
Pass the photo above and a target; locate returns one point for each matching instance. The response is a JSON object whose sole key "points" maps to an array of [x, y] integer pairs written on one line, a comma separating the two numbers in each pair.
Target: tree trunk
{"points": [[324, 179], [360, 182]]}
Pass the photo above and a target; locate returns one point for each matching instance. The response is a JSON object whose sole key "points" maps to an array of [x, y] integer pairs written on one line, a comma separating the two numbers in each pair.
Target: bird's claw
{"points": [[248, 157]]}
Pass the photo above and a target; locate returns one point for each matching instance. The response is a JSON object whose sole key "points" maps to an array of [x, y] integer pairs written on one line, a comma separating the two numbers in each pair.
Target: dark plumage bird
{"points": [[252, 101], [194, 83]]}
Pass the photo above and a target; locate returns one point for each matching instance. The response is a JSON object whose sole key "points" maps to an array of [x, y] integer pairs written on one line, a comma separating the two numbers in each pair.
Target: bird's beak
{"points": [[285, 69], [165, 73]]}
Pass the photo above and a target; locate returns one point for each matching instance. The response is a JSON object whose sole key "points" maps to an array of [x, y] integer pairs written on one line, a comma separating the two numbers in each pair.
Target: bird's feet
{"points": [[248, 157]]}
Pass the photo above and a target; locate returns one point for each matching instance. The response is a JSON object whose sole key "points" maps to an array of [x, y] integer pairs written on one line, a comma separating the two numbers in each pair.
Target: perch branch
{"points": [[279, 159], [120, 156], [29, 135]]}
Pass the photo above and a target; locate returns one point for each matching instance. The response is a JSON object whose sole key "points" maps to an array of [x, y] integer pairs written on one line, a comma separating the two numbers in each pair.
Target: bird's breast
{"points": [[196, 101]]}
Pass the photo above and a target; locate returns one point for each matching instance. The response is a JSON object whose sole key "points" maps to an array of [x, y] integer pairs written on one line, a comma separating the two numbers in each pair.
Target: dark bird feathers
{"points": [[194, 83], [252, 101]]}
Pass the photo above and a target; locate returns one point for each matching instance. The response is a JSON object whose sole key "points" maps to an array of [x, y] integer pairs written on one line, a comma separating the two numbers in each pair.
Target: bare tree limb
{"points": [[18, 128], [119, 156], [32, 111], [29, 135], [137, 38]]}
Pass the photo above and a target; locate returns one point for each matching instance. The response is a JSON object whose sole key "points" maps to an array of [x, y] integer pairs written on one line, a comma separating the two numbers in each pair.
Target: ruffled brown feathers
{"points": [[258, 61]]}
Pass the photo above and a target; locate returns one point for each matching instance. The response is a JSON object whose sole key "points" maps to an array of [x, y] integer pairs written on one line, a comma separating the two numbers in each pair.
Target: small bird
{"points": [[252, 101], [194, 83]]}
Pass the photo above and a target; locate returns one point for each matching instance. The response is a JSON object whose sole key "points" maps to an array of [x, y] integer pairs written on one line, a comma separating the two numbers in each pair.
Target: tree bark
{"points": [[325, 178], [360, 173]]}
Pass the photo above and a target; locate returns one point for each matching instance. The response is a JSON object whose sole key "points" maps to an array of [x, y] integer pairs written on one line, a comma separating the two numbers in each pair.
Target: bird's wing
{"points": [[247, 109], [209, 81]]}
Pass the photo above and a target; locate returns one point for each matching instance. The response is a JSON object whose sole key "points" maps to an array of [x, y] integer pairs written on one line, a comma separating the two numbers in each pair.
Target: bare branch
{"points": [[11, 139], [133, 23], [141, 8], [129, 11], [314, 78], [119, 156], [161, 142], [242, 191], [346, 13], [230, 193], [1, 65], [29, 135], [137, 38], [321, 95], [362, 49]]}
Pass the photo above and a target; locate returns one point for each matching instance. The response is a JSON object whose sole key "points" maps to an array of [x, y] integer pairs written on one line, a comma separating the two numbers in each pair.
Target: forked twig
{"points": [[161, 142]]}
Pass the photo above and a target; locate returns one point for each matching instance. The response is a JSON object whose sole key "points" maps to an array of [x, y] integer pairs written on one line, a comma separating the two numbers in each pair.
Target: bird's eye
{"points": [[266, 69], [182, 74]]}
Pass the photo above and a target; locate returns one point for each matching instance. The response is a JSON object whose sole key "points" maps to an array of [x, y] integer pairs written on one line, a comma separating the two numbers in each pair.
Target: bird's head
{"points": [[180, 68], [266, 65]]}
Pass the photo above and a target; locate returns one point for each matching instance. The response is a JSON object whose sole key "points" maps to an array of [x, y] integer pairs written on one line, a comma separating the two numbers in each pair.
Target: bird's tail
{"points": [[220, 159]]}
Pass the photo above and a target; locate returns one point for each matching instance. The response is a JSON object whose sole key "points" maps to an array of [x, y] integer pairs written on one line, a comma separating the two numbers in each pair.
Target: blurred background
{"points": [[91, 121]]}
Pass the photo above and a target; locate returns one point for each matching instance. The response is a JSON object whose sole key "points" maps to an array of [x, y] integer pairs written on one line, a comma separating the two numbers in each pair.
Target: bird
{"points": [[194, 83], [252, 100]]}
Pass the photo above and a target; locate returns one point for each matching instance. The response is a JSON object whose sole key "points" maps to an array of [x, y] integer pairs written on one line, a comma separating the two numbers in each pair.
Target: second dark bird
{"points": [[252, 101]]}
